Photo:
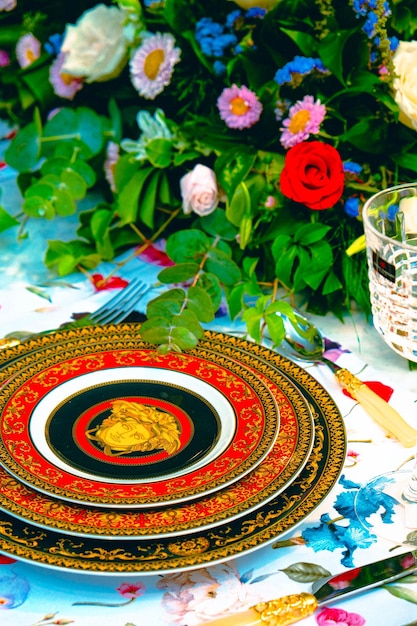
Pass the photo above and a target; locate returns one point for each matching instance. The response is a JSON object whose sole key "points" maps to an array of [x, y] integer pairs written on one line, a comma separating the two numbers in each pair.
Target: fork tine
{"points": [[123, 303]]}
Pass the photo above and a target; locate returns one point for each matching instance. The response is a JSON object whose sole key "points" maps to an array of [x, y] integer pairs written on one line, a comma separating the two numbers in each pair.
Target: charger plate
{"points": [[280, 514], [105, 425], [284, 462]]}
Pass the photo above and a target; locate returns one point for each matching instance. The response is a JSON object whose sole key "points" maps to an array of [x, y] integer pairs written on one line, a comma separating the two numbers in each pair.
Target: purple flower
{"points": [[239, 107], [305, 117]]}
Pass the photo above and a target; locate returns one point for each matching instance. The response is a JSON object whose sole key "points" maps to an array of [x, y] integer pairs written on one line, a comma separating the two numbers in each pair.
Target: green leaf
{"points": [[6, 220], [285, 264], [100, 223], [91, 129], [69, 255], [367, 135], [23, 153], [220, 264], [85, 170], [310, 233], [184, 338], [187, 245], [217, 225], [36, 206], [166, 306], [275, 327], [159, 152], [128, 198], [331, 51], [235, 300], [232, 168], [331, 284], [240, 205], [74, 183], [306, 572], [148, 197], [199, 302], [211, 285], [304, 41], [245, 231], [402, 592], [179, 273], [64, 203]]}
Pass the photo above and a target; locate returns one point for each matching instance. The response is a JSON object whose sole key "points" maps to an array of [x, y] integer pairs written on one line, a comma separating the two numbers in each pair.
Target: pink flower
{"points": [[334, 617], [131, 590], [28, 50], [7, 5], [4, 58], [199, 191], [112, 156], [64, 85], [305, 117], [239, 107]]}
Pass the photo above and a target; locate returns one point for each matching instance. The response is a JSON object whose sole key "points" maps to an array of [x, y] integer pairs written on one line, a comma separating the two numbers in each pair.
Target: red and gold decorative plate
{"points": [[199, 547], [286, 459], [127, 427]]}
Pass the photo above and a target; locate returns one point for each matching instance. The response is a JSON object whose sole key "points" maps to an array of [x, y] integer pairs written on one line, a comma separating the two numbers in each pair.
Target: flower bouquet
{"points": [[242, 135]]}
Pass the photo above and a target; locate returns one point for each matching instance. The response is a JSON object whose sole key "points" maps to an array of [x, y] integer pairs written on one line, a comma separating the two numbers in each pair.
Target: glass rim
{"points": [[381, 236]]}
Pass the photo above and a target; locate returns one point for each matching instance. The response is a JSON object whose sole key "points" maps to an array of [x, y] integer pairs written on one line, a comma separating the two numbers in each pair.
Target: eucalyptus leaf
{"points": [[187, 245], [179, 273], [64, 203], [36, 206], [226, 270], [74, 183], [199, 302], [23, 152]]}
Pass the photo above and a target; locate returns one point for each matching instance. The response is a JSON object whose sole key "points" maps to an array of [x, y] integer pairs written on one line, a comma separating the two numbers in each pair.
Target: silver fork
{"points": [[113, 311]]}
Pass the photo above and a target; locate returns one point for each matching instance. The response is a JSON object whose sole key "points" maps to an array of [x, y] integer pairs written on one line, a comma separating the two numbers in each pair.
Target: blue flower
{"points": [[352, 206], [13, 591], [232, 17], [299, 65], [352, 167], [54, 43], [369, 26], [219, 68], [344, 504], [392, 212], [212, 39], [255, 12]]}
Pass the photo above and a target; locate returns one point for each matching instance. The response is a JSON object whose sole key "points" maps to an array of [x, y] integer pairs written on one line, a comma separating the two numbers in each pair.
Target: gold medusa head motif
{"points": [[136, 427]]}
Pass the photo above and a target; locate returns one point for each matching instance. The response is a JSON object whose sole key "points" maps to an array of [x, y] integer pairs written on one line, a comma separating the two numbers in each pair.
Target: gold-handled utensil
{"points": [[304, 341]]}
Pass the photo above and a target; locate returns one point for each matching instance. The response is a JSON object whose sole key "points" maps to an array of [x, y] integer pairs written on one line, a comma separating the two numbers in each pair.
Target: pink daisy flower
{"points": [[64, 85], [28, 50], [152, 65], [7, 5], [239, 107], [305, 117]]}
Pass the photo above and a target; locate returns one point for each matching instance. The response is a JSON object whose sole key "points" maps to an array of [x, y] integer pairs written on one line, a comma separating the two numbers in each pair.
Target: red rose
{"points": [[313, 175]]}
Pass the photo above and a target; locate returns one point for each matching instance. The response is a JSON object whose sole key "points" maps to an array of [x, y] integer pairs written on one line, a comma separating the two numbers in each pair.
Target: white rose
{"points": [[199, 191], [409, 207], [96, 46], [405, 83]]}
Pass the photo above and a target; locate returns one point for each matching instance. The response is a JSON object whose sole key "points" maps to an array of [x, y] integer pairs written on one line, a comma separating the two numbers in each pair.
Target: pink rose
{"points": [[332, 617], [199, 191]]}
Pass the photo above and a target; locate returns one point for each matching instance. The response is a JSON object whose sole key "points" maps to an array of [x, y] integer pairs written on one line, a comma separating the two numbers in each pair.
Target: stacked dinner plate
{"points": [[115, 458]]}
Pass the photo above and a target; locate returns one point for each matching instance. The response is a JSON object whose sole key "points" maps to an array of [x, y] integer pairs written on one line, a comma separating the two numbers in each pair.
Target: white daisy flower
{"points": [[152, 64]]}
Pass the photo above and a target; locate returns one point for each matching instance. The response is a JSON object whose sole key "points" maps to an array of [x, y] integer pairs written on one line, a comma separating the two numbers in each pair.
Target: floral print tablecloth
{"points": [[331, 539]]}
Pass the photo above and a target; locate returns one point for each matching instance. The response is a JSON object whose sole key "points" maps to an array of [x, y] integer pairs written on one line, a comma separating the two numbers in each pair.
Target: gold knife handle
{"points": [[280, 612], [380, 411]]}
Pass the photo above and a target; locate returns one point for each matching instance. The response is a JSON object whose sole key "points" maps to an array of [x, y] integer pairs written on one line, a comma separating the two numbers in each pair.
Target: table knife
{"points": [[290, 609]]}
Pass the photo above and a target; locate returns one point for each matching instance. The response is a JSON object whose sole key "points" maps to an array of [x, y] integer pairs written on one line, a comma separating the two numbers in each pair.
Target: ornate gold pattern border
{"points": [[300, 499]]}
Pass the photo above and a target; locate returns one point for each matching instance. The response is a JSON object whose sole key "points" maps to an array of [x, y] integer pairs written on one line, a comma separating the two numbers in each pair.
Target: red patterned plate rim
{"points": [[58, 454], [282, 465]]}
